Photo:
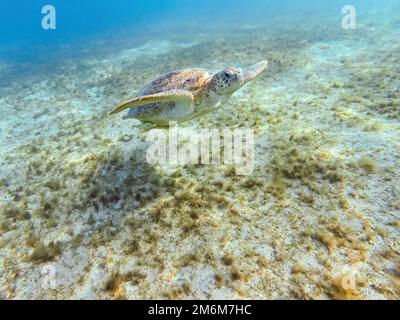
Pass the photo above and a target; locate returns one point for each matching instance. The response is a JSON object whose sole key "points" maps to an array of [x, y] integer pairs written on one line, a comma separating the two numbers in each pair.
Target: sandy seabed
{"points": [[319, 218]]}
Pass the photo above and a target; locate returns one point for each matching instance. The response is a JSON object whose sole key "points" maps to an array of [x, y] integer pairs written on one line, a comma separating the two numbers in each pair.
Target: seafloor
{"points": [[321, 210]]}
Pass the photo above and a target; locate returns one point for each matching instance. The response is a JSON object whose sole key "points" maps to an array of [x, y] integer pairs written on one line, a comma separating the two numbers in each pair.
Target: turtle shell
{"points": [[189, 79]]}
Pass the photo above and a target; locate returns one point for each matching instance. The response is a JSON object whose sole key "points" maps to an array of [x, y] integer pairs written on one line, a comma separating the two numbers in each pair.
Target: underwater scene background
{"points": [[84, 215]]}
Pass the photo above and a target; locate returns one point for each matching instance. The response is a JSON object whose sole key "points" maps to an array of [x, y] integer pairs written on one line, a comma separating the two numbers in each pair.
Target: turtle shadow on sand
{"points": [[122, 181]]}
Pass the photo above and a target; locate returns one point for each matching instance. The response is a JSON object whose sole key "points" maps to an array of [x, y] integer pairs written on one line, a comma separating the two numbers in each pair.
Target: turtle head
{"points": [[232, 79], [227, 81]]}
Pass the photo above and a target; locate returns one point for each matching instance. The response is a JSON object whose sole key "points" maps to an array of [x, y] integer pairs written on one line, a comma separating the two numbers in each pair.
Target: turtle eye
{"points": [[227, 74]]}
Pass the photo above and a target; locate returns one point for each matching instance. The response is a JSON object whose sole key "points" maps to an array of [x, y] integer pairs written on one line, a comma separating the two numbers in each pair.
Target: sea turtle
{"points": [[183, 95]]}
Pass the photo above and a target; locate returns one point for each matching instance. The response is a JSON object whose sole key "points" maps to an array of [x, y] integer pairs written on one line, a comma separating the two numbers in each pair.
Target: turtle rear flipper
{"points": [[183, 97]]}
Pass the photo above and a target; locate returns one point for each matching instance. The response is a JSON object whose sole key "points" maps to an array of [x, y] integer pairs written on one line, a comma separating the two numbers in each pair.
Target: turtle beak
{"points": [[252, 72]]}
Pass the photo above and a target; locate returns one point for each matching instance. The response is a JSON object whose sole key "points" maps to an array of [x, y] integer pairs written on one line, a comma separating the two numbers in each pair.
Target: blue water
{"points": [[20, 20], [89, 28]]}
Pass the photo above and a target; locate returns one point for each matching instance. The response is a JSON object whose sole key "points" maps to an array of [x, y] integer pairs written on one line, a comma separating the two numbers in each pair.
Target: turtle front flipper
{"points": [[252, 72], [183, 97]]}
